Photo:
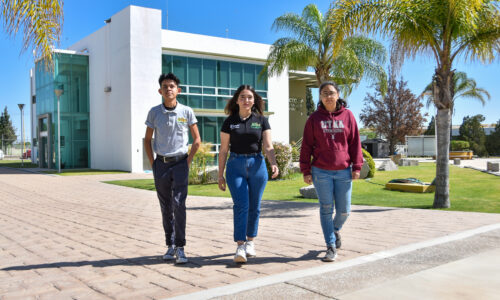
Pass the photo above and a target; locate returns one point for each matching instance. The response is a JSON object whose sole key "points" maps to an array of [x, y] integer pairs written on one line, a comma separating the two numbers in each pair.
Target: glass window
{"points": [[209, 102], [195, 90], [166, 63], [194, 101], [179, 66], [182, 99], [209, 91], [209, 70], [261, 81], [223, 91], [249, 74], [223, 74], [221, 102], [236, 75], [210, 130], [194, 71]]}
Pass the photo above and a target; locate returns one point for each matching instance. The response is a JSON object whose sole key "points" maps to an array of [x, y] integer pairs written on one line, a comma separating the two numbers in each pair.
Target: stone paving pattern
{"points": [[76, 237]]}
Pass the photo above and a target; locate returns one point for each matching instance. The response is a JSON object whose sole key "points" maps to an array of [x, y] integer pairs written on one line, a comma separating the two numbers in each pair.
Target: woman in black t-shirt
{"points": [[243, 133]]}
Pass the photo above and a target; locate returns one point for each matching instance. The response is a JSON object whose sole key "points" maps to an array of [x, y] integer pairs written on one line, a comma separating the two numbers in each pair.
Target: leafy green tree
{"points": [[309, 102], [431, 129], [472, 132], [493, 141], [447, 30], [395, 114], [7, 131], [39, 20], [333, 55]]}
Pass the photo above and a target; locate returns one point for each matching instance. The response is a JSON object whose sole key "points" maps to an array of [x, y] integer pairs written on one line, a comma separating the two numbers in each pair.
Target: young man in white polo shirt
{"points": [[170, 123]]}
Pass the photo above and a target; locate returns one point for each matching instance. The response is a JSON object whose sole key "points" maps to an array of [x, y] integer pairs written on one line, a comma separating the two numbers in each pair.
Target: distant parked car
{"points": [[1, 154]]}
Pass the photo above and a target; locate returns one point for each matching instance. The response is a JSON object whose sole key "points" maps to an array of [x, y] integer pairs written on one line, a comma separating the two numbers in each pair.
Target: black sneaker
{"points": [[331, 254], [338, 240]]}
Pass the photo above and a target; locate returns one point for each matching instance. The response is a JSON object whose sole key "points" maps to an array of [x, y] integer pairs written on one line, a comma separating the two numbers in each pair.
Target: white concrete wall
{"points": [[125, 55], [145, 54]]}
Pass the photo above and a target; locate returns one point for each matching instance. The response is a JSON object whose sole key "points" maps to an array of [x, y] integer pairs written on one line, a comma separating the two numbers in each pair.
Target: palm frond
{"points": [[39, 20]]}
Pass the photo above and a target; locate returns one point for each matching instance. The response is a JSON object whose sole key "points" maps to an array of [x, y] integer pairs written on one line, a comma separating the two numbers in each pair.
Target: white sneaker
{"points": [[250, 249], [240, 256], [169, 255]]}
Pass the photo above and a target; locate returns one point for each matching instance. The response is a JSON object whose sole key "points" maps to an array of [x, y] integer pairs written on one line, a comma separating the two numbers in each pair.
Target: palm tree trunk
{"points": [[444, 103], [442, 194]]}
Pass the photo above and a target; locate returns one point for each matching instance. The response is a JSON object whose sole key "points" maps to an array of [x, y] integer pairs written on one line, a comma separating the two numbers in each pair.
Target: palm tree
{"points": [[39, 20], [444, 29], [346, 61], [461, 87]]}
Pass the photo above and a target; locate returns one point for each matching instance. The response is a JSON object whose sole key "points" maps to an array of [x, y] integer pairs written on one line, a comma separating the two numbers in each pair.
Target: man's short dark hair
{"points": [[169, 76]]}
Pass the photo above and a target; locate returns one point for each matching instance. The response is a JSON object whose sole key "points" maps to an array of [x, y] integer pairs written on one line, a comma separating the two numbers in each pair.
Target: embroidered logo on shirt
{"points": [[234, 126], [255, 125], [182, 120]]}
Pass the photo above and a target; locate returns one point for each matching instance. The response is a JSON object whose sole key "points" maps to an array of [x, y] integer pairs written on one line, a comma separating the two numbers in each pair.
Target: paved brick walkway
{"points": [[76, 237]]}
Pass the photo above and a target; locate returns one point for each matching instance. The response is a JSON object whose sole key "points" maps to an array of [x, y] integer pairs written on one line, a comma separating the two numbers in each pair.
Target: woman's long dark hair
{"points": [[340, 102], [232, 107]]}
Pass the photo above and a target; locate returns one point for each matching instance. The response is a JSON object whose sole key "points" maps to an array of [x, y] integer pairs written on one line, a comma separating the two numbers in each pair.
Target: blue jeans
{"points": [[246, 178], [333, 188]]}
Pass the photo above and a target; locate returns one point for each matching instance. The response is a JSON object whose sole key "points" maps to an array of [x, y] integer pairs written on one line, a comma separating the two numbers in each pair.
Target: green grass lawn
{"points": [[17, 163], [470, 190]]}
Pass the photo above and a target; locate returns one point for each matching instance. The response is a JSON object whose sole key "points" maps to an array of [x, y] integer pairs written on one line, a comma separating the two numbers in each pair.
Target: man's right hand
{"points": [[308, 179]]}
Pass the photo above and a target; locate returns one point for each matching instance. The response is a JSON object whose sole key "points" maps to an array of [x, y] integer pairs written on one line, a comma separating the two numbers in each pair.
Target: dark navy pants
{"points": [[171, 181]]}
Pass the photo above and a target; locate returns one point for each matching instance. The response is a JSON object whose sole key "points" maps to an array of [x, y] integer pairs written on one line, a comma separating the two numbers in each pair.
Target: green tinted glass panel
{"points": [[194, 71], [221, 102], [223, 74], [223, 91], [194, 101], [210, 130], [67, 84], [249, 74], [166, 63], [209, 91], [179, 66], [209, 71], [182, 99], [195, 90], [236, 75], [261, 84], [209, 102]]}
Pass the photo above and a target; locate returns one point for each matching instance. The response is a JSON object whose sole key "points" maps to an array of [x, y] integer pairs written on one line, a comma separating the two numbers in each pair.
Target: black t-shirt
{"points": [[245, 136]]}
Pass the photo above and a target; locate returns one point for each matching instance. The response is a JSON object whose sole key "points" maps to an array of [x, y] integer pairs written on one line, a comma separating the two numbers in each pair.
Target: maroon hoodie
{"points": [[332, 139]]}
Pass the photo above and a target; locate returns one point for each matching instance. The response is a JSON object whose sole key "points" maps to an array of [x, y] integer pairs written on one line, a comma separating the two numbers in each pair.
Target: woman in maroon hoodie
{"points": [[331, 138]]}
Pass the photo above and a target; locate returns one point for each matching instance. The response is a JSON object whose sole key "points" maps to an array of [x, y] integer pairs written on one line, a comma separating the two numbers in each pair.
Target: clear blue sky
{"points": [[245, 20]]}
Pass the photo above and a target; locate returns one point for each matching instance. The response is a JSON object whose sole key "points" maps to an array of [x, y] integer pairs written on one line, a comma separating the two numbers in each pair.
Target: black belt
{"points": [[169, 159]]}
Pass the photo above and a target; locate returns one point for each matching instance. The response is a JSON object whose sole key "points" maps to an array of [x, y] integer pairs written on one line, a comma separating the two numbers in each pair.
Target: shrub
{"points": [[459, 145], [283, 154], [370, 162], [296, 149], [202, 158]]}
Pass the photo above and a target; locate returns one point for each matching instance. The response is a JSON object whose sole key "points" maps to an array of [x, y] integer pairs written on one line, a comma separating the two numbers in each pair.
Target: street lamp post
{"points": [[59, 90], [21, 106]]}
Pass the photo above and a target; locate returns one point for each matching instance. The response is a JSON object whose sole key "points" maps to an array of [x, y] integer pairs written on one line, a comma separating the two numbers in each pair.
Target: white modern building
{"points": [[106, 83]]}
